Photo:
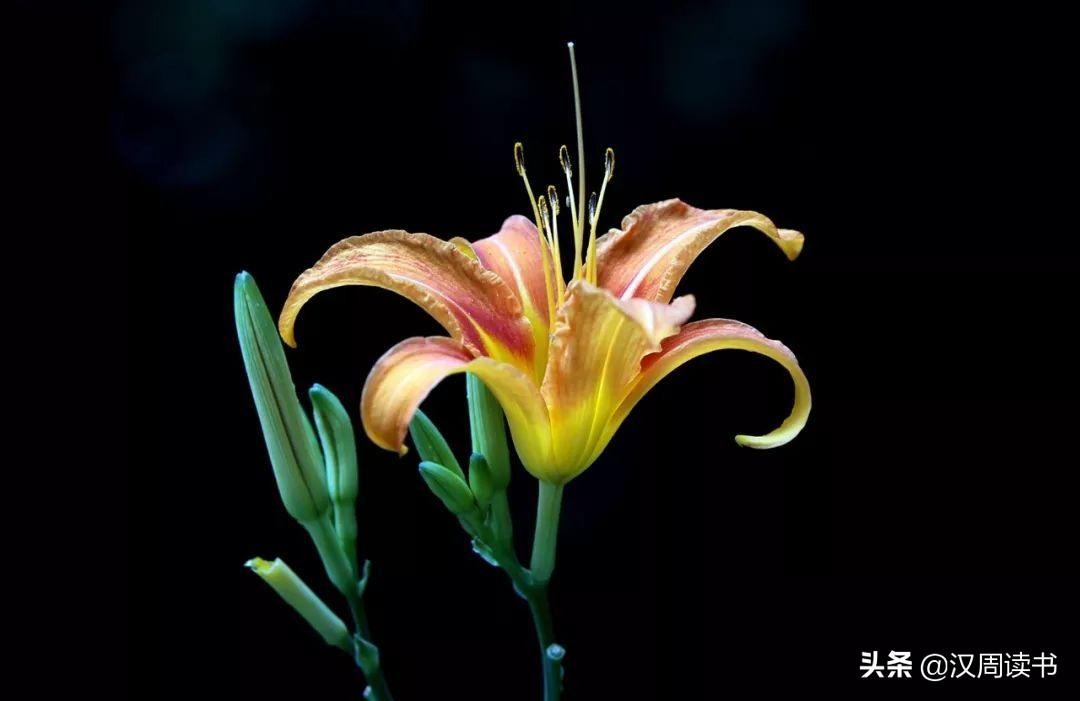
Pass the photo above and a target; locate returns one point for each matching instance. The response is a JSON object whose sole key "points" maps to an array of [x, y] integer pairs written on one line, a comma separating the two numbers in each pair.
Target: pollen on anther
{"points": [[609, 164], [564, 160], [553, 198], [519, 158], [545, 215]]}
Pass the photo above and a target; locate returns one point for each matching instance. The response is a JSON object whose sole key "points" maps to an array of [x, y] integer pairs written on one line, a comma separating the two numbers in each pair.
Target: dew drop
{"points": [[482, 550]]}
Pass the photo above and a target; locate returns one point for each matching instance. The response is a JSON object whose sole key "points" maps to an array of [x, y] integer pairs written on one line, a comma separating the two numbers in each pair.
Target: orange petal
{"points": [[514, 254], [406, 373], [658, 242], [474, 305], [596, 350], [702, 337]]}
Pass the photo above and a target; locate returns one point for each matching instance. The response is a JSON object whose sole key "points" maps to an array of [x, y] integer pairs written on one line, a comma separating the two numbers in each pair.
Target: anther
{"points": [[592, 210], [553, 197], [564, 161], [545, 214], [519, 158], [609, 164]]}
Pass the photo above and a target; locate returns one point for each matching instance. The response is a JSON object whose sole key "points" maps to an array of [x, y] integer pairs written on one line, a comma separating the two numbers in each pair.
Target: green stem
{"points": [[550, 653], [547, 531], [346, 578], [501, 523], [367, 659]]}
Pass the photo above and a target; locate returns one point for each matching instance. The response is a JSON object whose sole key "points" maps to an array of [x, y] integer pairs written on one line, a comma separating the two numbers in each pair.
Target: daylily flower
{"points": [[566, 360], [567, 374]]}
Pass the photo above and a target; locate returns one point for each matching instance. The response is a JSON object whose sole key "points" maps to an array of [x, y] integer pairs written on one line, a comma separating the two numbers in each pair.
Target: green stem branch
{"points": [[346, 578]]}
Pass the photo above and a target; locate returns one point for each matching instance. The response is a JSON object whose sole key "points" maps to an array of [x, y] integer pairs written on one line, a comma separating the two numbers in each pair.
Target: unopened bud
{"points": [[451, 489], [290, 439], [298, 595], [480, 479]]}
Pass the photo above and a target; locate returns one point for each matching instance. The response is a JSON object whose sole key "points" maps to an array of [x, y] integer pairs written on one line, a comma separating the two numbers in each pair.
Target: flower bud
{"points": [[451, 489], [488, 429], [298, 595], [290, 439], [431, 445], [339, 453], [480, 479]]}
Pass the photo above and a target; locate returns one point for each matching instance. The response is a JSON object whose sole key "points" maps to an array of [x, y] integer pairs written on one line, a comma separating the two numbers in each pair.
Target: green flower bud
{"points": [[451, 489], [488, 429], [431, 445], [298, 595], [480, 479], [339, 453], [290, 439]]}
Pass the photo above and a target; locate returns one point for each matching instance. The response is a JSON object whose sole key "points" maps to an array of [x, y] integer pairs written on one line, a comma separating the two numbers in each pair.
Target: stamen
{"points": [[564, 160], [568, 169], [590, 262], [519, 166], [545, 219], [519, 159], [594, 213], [560, 282], [546, 263], [553, 198]]}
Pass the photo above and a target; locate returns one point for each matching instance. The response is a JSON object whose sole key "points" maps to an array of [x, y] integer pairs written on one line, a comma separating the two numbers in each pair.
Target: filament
{"points": [[545, 253], [553, 223], [568, 169], [594, 213]]}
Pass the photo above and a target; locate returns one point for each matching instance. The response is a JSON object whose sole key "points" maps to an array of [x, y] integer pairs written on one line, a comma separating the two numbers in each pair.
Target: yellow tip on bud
{"points": [[304, 601]]}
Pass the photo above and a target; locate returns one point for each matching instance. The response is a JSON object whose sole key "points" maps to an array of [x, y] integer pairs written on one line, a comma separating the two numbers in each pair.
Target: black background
{"points": [[928, 506]]}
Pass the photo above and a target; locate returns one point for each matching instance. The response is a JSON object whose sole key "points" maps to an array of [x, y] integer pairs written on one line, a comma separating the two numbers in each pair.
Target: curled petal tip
{"points": [[791, 242], [287, 335], [765, 442]]}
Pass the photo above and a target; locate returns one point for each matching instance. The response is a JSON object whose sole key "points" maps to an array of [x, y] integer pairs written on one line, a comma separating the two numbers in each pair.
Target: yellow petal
{"points": [[658, 242], [405, 374], [514, 254], [596, 351], [474, 305], [702, 337]]}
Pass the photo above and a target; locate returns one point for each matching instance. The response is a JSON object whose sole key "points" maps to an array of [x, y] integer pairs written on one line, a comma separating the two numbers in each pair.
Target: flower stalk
{"points": [[562, 364], [317, 481], [545, 538], [484, 513]]}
